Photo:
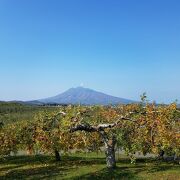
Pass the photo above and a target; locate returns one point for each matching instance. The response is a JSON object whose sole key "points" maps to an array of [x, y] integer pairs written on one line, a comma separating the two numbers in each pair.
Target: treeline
{"points": [[11, 112]]}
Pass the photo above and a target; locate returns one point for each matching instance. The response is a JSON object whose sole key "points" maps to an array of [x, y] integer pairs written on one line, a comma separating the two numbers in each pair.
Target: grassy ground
{"points": [[81, 166]]}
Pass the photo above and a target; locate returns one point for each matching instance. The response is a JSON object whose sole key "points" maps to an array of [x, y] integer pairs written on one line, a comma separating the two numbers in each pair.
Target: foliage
{"points": [[147, 128]]}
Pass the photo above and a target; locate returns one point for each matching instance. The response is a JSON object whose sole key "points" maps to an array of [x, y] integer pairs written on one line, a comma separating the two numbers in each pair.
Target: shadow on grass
{"points": [[39, 159], [7, 168], [44, 167], [25, 159], [40, 167], [162, 168], [122, 173], [81, 161], [35, 173], [125, 170], [118, 173]]}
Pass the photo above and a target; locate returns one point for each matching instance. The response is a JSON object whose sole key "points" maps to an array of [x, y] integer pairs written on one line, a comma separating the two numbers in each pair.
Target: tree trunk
{"points": [[110, 155], [57, 155], [161, 154], [175, 157], [109, 150]]}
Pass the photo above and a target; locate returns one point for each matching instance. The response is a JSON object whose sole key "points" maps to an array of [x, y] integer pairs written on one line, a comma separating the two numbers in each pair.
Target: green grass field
{"points": [[85, 166]]}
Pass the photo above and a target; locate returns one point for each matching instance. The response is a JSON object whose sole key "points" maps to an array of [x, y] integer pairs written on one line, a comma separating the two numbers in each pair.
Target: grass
{"points": [[83, 166]]}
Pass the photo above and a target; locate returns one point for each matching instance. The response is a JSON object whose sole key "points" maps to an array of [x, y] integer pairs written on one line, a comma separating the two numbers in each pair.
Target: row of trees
{"points": [[144, 127], [11, 112]]}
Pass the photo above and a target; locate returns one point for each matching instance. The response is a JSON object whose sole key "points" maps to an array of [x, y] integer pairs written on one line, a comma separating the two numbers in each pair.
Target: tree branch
{"points": [[83, 127], [100, 127]]}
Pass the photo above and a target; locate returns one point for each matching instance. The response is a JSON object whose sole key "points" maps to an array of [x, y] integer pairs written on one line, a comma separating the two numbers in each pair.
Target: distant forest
{"points": [[12, 112]]}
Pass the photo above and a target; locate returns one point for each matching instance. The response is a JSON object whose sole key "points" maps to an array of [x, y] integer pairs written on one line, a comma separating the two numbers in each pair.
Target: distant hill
{"points": [[84, 96], [35, 102]]}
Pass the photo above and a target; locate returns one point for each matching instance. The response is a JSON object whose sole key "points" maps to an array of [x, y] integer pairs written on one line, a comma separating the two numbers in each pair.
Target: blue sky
{"points": [[122, 48]]}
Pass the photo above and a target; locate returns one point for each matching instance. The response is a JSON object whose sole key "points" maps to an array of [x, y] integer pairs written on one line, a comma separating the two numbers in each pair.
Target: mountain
{"points": [[85, 96]]}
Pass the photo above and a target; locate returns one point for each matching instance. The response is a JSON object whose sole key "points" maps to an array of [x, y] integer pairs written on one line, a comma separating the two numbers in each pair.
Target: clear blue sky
{"points": [[120, 47]]}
